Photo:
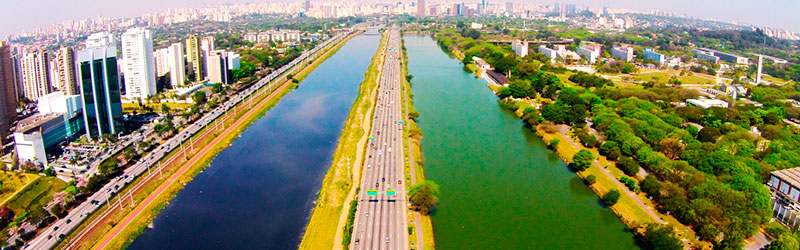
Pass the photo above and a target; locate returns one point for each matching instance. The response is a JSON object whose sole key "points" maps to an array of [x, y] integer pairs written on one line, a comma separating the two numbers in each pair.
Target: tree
{"points": [[671, 147], [784, 241], [217, 88], [108, 167], [49, 171], [708, 134], [590, 179], [199, 97], [628, 166], [424, 196], [651, 186], [553, 143], [611, 197], [164, 109], [660, 237], [504, 92], [582, 160]]}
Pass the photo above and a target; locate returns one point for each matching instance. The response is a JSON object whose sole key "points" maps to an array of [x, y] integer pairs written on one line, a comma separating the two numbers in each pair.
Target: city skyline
{"points": [[776, 13]]}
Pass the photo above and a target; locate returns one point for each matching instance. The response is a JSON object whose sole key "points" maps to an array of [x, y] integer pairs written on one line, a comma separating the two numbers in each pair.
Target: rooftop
{"points": [[33, 122], [791, 175]]}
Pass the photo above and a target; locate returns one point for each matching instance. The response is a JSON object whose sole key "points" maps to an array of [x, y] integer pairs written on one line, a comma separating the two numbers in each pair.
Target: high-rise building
{"points": [[35, 67], [760, 66], [421, 8], [63, 71], [624, 53], [138, 63], [307, 5], [99, 82], [520, 48], [233, 60], [101, 40], [206, 46], [8, 93], [177, 68], [161, 61], [218, 67], [193, 56]]}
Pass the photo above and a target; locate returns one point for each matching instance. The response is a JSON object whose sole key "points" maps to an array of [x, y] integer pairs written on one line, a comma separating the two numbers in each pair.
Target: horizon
{"points": [[738, 11]]}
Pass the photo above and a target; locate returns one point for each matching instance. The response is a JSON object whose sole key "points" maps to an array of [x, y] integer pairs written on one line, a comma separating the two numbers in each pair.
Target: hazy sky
{"points": [[24, 15]]}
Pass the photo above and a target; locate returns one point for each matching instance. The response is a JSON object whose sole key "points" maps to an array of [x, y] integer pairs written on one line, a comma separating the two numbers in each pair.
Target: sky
{"points": [[26, 15]]}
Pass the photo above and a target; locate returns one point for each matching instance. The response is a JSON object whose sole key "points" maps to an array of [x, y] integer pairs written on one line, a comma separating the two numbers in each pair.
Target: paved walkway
{"points": [[410, 149]]}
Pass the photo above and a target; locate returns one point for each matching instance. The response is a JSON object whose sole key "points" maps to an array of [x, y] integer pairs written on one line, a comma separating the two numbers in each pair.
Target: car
{"points": [[49, 236], [387, 239], [399, 182], [377, 184], [357, 241], [68, 221], [369, 165], [367, 214], [55, 228], [383, 179]]}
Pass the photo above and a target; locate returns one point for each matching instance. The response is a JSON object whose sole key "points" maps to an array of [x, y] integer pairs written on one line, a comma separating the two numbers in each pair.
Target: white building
{"points": [[138, 63], [35, 69], [177, 66], [520, 48], [475, 25], [217, 67], [624, 53], [101, 40], [233, 60], [707, 103], [591, 53], [549, 53], [59, 103], [161, 62]]}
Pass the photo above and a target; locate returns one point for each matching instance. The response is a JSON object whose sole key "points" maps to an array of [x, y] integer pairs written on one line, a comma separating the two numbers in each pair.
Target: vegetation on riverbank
{"points": [[324, 223]]}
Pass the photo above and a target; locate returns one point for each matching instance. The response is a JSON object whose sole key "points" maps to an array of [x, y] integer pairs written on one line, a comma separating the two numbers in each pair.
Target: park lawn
{"points": [[664, 76], [774, 80], [130, 107], [36, 195], [13, 183], [564, 77]]}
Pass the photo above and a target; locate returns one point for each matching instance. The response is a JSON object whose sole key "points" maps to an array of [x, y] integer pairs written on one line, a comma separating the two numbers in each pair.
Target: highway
{"points": [[381, 219], [152, 162]]}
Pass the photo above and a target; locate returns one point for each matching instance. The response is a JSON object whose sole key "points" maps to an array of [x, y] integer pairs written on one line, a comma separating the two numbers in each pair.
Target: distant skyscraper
{"points": [[64, 77], [138, 63], [176, 63], [510, 7], [101, 40], [99, 81], [8, 93], [307, 5], [193, 56], [35, 67], [421, 8]]}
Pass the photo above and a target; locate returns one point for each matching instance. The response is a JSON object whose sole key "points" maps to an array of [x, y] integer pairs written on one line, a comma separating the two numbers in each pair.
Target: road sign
{"points": [[390, 192], [372, 192]]}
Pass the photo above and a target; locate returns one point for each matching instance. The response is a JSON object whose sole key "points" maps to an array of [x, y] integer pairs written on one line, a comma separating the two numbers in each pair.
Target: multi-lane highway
{"points": [[58, 230], [381, 217]]}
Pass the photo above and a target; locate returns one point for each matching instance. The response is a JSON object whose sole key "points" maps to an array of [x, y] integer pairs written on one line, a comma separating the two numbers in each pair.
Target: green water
{"points": [[501, 188]]}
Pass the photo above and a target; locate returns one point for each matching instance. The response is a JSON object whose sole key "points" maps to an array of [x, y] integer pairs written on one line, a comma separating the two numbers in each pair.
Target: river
{"points": [[501, 188], [258, 193]]}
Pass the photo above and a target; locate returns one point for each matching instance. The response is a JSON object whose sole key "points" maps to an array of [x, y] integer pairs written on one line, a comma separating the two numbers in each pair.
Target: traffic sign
{"points": [[390, 192], [372, 192]]}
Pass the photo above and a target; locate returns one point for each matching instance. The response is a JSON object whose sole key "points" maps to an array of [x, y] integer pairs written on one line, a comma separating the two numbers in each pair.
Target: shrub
{"points": [[611, 197], [629, 183], [553, 143], [590, 179]]}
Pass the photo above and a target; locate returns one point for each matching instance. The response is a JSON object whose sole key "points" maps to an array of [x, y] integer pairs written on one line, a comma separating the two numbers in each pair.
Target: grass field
{"points": [[323, 226], [130, 107], [664, 76], [12, 183]]}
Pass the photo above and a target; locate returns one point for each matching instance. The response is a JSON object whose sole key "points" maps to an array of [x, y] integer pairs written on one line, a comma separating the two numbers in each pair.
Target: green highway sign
{"points": [[390, 192], [372, 192]]}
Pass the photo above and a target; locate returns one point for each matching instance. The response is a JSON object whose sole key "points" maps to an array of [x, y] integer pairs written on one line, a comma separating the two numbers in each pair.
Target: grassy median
{"points": [[324, 225]]}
